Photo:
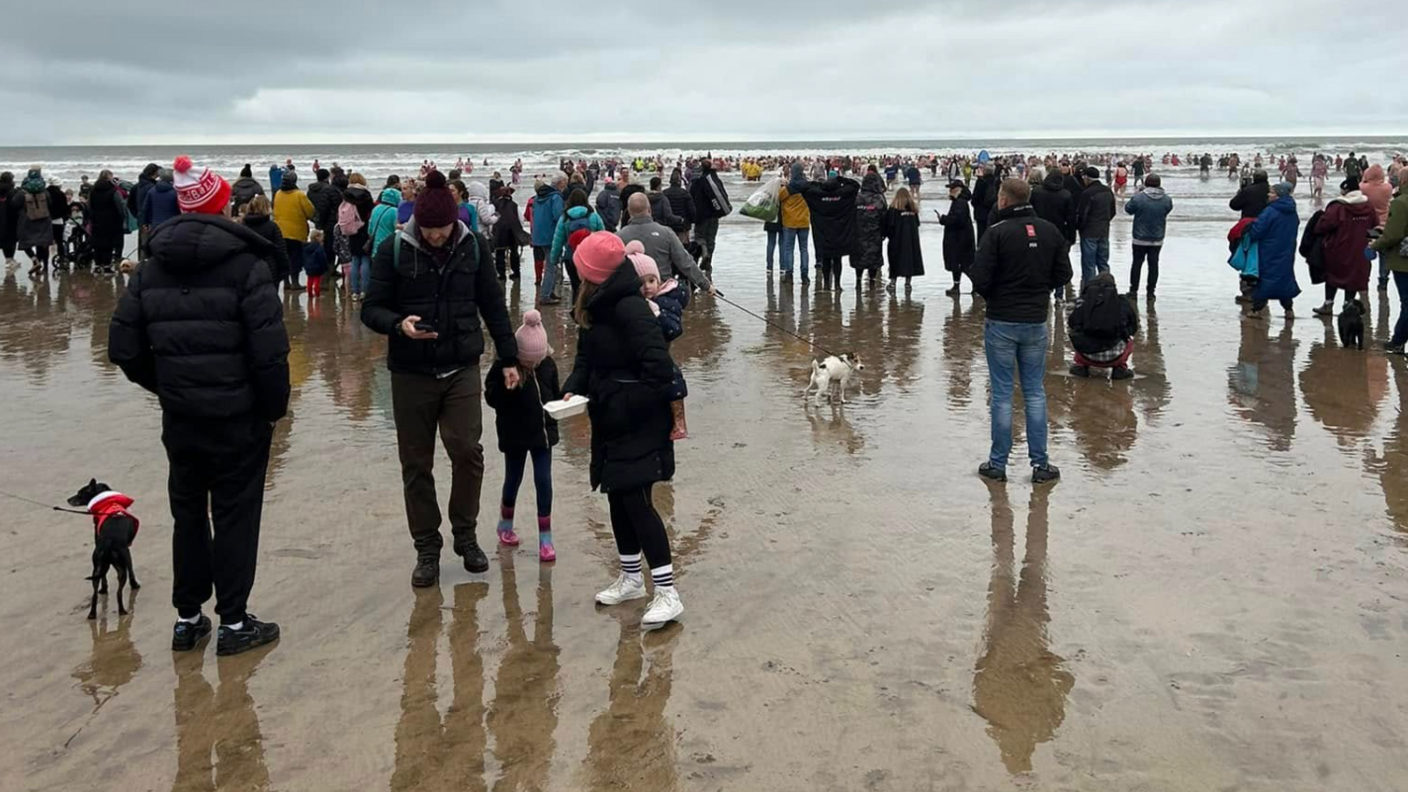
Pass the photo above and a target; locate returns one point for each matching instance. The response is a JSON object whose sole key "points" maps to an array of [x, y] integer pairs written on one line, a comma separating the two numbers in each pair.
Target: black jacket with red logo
{"points": [[1020, 260]]}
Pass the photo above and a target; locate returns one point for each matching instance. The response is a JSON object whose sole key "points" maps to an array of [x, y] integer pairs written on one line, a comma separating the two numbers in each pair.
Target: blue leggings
{"points": [[514, 463]]}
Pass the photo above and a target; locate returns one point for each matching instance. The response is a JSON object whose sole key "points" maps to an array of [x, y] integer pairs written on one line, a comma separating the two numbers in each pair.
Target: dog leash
{"points": [[774, 325], [45, 505]]}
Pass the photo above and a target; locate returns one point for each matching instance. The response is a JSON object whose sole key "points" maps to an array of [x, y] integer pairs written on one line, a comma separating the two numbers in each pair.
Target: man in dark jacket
{"points": [[1020, 261], [984, 198], [145, 182], [201, 326], [1055, 204], [681, 204], [660, 208], [710, 203], [1252, 199], [325, 199], [1095, 209], [430, 284], [244, 189], [608, 205], [160, 204]]}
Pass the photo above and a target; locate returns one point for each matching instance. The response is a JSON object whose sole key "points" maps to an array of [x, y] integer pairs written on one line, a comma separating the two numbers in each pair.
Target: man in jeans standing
{"points": [[430, 283], [1095, 208], [1020, 260]]}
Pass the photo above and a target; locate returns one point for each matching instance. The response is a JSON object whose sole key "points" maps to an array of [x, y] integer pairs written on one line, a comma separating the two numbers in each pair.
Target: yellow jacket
{"points": [[292, 213], [795, 213]]}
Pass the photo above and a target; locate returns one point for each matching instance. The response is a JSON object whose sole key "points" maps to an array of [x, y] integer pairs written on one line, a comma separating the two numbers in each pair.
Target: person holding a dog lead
{"points": [[1344, 229], [1020, 260], [624, 367], [201, 326], [430, 284]]}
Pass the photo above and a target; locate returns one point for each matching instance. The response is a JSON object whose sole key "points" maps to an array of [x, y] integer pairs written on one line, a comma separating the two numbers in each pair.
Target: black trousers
{"points": [[638, 527], [216, 480], [830, 270], [422, 404], [1140, 252], [514, 261], [105, 249], [295, 261]]}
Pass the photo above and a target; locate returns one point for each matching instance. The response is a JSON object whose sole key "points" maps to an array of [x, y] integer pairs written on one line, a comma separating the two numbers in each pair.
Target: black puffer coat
{"points": [[105, 211], [361, 198], [201, 325], [9, 214], [519, 417], [624, 367], [870, 224], [325, 199], [451, 297], [244, 190], [277, 259], [1054, 204], [833, 207]]}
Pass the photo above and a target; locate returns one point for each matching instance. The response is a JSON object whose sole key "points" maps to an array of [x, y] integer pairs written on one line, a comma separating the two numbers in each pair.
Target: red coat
{"points": [[1345, 227], [108, 504]]}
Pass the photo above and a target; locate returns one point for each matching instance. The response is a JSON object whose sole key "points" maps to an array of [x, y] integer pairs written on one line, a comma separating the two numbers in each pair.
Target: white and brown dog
{"points": [[833, 374]]}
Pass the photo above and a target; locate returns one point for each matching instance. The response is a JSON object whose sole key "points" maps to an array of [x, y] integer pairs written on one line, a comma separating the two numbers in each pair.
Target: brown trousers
{"points": [[421, 404]]}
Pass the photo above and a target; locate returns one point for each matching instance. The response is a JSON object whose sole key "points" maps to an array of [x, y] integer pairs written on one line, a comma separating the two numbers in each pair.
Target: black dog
{"points": [[114, 528], [1351, 322]]}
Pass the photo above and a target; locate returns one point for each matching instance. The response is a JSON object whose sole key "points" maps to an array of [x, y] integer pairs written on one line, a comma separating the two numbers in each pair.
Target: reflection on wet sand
{"points": [[432, 753], [523, 716], [963, 350], [1391, 466], [1019, 685], [1152, 390], [40, 341], [223, 723], [113, 662], [1343, 387], [1261, 384], [630, 745]]}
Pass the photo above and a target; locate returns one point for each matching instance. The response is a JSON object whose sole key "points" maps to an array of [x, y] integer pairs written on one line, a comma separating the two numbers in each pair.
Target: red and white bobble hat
{"points": [[201, 192]]}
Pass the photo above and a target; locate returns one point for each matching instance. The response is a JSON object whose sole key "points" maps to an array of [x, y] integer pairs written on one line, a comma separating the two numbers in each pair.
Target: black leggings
{"points": [[1331, 291], [38, 256], [105, 249], [637, 526], [830, 269], [515, 261], [1140, 251]]}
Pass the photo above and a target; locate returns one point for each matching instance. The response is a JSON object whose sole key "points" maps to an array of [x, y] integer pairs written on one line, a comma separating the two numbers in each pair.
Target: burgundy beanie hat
{"points": [[435, 204], [599, 255]]}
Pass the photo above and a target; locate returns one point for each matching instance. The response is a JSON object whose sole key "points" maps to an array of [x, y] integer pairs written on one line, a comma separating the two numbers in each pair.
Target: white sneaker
{"points": [[623, 590], [665, 608]]}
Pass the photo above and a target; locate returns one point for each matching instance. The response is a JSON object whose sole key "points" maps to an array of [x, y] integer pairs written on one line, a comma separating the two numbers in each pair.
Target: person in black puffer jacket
{"points": [[430, 284], [680, 203], [1055, 204], [107, 217], [1253, 198], [256, 218], [624, 367], [201, 326], [325, 199]]}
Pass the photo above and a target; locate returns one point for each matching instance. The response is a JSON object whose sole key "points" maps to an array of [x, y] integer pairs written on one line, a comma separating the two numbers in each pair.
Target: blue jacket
{"points": [[382, 224], [608, 205], [547, 210], [672, 304], [315, 260], [1274, 233], [276, 177], [1150, 209], [160, 204]]}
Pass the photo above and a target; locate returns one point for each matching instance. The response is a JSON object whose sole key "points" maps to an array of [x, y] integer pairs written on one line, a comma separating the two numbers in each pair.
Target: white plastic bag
{"points": [[764, 204]]}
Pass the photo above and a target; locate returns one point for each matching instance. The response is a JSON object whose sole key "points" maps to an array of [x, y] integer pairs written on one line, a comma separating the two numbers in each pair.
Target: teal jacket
{"points": [[382, 223], [559, 237]]}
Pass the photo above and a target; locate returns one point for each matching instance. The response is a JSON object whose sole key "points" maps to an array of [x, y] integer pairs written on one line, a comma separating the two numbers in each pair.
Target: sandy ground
{"points": [[1212, 598]]}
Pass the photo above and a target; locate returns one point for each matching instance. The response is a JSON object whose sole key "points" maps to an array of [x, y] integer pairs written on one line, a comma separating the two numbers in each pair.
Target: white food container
{"points": [[566, 408]]}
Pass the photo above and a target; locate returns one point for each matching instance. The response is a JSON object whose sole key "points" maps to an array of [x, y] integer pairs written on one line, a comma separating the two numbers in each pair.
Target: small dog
{"points": [[1351, 323], [833, 373], [114, 529]]}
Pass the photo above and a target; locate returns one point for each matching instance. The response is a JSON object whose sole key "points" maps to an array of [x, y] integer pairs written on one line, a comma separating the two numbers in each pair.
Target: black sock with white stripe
{"points": [[663, 576], [630, 567]]}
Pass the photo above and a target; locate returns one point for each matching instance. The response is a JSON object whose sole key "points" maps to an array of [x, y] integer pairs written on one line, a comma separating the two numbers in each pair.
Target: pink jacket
{"points": [[1375, 186]]}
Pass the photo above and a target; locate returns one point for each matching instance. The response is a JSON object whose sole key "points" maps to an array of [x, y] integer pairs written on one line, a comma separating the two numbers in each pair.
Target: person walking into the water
{"points": [[201, 326], [624, 366], [710, 203], [525, 431], [1150, 207], [959, 244], [431, 282], [662, 245], [1020, 261], [1095, 209]]}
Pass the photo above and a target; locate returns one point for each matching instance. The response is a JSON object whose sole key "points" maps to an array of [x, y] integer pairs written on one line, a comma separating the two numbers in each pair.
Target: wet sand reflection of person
{"points": [[962, 346], [113, 662], [1019, 685], [1151, 388], [431, 753], [223, 723], [34, 327], [1261, 384], [904, 331], [523, 715], [1392, 465], [1343, 387]]}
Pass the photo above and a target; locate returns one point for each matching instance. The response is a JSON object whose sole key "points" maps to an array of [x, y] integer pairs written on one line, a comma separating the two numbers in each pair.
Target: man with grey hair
{"points": [[661, 244]]}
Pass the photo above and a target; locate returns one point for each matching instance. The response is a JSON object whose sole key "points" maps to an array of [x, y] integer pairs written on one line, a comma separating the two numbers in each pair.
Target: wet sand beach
{"points": [[1213, 597]]}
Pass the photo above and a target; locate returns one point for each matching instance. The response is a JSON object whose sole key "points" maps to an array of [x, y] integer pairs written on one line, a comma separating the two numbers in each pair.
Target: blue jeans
{"points": [[1400, 328], [772, 244], [799, 237], [360, 276], [1018, 346], [1094, 258], [514, 463]]}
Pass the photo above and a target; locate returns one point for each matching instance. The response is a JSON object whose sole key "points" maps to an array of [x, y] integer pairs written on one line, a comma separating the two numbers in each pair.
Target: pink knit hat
{"points": [[645, 265], [598, 256], [532, 339]]}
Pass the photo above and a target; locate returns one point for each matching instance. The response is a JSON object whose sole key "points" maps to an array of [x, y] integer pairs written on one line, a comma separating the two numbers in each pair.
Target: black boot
{"points": [[426, 573], [474, 560]]}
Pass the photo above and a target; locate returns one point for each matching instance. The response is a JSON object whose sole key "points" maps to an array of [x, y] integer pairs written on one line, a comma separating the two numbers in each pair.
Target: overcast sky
{"points": [[298, 71]]}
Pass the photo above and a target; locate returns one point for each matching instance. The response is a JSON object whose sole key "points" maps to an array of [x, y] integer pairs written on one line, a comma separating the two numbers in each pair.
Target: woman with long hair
{"points": [[902, 230]]}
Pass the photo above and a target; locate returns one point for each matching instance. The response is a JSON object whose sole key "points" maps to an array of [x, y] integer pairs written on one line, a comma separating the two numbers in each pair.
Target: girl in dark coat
{"points": [[9, 217], [959, 247], [256, 218], [870, 228], [902, 229], [107, 215], [624, 367]]}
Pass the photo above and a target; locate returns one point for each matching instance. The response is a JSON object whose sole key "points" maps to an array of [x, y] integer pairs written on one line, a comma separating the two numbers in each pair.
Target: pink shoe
{"points": [[508, 538], [546, 553]]}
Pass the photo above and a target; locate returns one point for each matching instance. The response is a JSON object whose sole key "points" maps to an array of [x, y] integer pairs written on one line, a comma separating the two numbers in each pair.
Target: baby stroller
{"points": [[78, 243]]}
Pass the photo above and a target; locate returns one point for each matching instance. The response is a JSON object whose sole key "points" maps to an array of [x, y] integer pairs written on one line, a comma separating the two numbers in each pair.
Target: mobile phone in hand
{"points": [[424, 327]]}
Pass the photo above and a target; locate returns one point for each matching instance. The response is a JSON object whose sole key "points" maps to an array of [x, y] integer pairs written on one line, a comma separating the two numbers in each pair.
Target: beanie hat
{"points": [[532, 339], [1283, 189], [599, 255], [1092, 173], [246, 172], [1350, 184], [645, 265], [200, 192], [436, 206], [289, 179]]}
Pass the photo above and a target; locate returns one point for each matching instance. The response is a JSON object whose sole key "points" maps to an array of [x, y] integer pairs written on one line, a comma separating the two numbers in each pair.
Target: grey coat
{"points": [[664, 245]]}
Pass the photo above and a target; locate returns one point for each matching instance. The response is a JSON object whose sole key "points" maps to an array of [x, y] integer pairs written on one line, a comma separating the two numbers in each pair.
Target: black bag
{"points": [[1100, 319], [1312, 249]]}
